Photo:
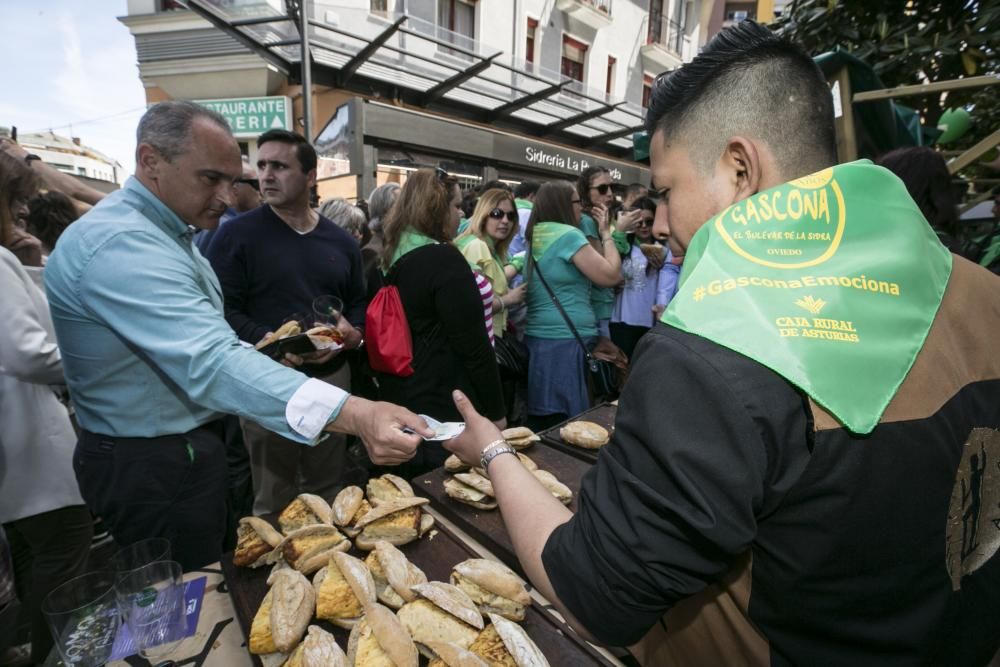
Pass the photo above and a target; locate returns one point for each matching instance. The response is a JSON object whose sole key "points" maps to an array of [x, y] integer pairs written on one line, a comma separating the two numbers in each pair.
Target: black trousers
{"points": [[47, 550], [171, 486]]}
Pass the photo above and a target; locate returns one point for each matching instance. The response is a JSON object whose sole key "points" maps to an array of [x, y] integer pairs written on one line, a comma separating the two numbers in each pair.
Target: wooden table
{"points": [[435, 554], [603, 414], [486, 526]]}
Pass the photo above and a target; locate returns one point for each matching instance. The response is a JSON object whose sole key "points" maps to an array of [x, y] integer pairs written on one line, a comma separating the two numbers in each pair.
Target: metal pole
{"points": [[306, 70]]}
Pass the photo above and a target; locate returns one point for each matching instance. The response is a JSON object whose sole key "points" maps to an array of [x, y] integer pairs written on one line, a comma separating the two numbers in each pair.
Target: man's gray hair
{"points": [[379, 202], [166, 126]]}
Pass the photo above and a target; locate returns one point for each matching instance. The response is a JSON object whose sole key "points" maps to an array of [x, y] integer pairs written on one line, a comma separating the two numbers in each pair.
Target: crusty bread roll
{"points": [[287, 329], [585, 434], [255, 541], [493, 587], [292, 606], [305, 510]]}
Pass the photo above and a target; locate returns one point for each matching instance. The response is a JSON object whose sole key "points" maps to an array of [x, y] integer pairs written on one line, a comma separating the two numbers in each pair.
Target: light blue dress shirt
{"points": [[146, 350]]}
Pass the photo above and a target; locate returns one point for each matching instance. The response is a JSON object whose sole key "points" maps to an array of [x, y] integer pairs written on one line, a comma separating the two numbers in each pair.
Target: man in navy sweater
{"points": [[272, 265]]}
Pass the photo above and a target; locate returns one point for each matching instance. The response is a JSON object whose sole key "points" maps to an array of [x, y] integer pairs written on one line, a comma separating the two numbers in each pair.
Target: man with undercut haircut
{"points": [[804, 465]]}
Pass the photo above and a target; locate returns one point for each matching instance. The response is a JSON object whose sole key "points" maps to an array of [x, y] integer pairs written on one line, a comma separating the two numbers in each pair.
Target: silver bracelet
{"points": [[493, 453]]}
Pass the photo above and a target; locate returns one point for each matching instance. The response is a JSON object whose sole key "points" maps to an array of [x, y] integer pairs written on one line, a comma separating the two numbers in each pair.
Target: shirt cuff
{"points": [[314, 405]]}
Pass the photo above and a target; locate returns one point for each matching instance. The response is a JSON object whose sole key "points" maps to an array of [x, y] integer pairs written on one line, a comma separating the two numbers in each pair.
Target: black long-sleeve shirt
{"points": [[270, 273], [451, 348], [763, 532]]}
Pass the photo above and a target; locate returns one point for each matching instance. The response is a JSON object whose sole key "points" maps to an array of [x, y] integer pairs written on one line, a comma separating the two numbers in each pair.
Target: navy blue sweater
{"points": [[270, 273]]}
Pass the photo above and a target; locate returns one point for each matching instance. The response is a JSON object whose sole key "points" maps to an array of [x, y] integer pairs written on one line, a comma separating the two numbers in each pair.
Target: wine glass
{"points": [[83, 616], [151, 599], [327, 310], [139, 554]]}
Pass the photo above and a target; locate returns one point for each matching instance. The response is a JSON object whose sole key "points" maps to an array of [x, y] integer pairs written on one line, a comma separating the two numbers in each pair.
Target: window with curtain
{"points": [[529, 47], [458, 16], [647, 89], [574, 55], [612, 62]]}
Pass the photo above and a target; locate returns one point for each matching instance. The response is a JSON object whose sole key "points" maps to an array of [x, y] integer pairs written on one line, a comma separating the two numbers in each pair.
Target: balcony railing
{"points": [[666, 33], [599, 5]]}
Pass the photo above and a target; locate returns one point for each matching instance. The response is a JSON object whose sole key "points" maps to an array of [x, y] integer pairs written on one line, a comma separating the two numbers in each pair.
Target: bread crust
{"points": [[494, 577], [518, 643], [292, 606], [585, 434], [346, 505], [255, 540]]}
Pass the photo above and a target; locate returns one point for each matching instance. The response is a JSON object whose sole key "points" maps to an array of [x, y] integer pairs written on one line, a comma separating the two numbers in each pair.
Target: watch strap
{"points": [[494, 451]]}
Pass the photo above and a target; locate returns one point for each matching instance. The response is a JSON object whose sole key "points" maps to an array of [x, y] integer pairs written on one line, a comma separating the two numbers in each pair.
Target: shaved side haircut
{"points": [[748, 82]]}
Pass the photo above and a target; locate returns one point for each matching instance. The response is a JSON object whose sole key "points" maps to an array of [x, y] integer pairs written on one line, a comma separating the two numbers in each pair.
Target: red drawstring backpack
{"points": [[387, 333]]}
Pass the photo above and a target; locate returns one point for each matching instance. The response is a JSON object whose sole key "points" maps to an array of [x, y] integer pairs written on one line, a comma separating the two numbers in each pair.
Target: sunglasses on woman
{"points": [[601, 189], [499, 213]]}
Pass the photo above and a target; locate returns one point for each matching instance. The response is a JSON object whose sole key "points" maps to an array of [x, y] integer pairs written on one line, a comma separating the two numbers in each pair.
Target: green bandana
{"points": [[831, 280], [524, 204], [409, 240], [545, 234]]}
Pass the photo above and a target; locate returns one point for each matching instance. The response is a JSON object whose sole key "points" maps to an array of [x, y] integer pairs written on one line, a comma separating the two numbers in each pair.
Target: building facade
{"points": [[508, 89], [71, 156]]}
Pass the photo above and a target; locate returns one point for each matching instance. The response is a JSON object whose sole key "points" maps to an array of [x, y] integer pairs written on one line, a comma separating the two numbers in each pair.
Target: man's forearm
{"points": [[530, 514]]}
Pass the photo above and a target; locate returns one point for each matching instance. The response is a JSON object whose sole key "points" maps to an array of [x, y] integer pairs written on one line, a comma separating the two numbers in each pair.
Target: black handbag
{"points": [[602, 377], [512, 356]]}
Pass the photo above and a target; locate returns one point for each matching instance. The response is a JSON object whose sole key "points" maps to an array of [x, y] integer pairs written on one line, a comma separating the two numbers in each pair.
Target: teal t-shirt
{"points": [[553, 246], [602, 298]]}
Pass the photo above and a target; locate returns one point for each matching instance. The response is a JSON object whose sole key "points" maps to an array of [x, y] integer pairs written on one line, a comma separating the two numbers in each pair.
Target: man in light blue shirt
{"points": [[152, 364]]}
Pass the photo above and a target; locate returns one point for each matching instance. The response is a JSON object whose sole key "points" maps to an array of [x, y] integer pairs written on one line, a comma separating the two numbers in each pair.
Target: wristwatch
{"points": [[493, 450], [31, 156]]}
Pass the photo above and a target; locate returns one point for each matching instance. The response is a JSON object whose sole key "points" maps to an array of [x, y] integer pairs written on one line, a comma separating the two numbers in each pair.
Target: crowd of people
{"points": [[522, 303], [478, 317]]}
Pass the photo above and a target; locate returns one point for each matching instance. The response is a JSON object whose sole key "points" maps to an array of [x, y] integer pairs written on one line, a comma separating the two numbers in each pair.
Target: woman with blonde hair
{"points": [[484, 244], [444, 311]]}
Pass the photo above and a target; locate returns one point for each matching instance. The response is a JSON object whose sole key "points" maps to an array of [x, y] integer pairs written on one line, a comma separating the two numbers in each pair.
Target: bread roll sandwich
{"points": [[444, 613], [585, 434], [504, 643], [308, 549], [256, 539], [344, 589], [381, 640], [284, 613], [476, 481], [493, 587], [395, 521], [520, 437], [393, 574], [306, 510], [388, 487], [290, 328], [455, 464], [464, 493], [318, 649], [323, 337], [555, 487], [451, 655], [351, 498]]}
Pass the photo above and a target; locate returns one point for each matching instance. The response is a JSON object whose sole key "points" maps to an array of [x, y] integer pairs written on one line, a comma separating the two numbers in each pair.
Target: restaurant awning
{"points": [[401, 57]]}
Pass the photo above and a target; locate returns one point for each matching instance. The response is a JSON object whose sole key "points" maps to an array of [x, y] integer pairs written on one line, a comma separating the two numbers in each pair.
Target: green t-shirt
{"points": [[602, 298], [553, 247]]}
